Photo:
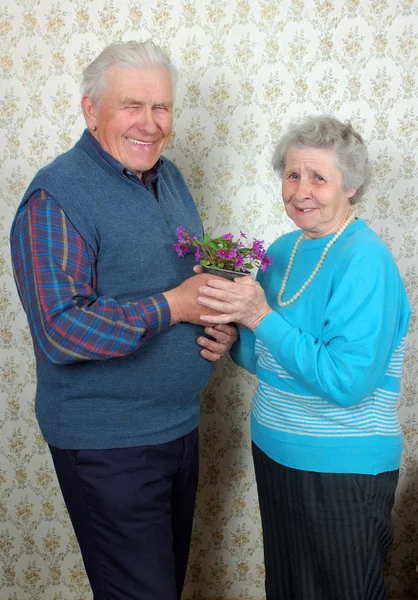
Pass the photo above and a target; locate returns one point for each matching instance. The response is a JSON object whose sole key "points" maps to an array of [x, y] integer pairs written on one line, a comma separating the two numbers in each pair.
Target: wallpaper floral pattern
{"points": [[247, 68]]}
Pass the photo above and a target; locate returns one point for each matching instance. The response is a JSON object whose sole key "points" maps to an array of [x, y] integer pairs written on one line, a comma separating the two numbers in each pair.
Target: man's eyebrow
{"points": [[134, 102], [130, 101], [164, 104]]}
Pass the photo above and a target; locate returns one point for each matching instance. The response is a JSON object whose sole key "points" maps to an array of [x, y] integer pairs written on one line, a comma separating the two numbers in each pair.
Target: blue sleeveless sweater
{"points": [[152, 395]]}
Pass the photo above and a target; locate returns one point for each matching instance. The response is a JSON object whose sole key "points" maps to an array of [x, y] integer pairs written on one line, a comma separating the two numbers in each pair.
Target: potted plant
{"points": [[224, 256]]}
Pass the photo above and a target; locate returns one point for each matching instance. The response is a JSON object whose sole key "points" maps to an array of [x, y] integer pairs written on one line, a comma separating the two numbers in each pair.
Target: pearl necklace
{"points": [[315, 271]]}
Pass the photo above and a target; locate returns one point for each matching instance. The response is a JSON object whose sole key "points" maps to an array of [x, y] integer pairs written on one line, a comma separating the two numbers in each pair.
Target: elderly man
{"points": [[115, 326]]}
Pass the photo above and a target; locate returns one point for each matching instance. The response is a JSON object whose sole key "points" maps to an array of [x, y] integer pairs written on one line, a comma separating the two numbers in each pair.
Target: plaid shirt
{"points": [[55, 273]]}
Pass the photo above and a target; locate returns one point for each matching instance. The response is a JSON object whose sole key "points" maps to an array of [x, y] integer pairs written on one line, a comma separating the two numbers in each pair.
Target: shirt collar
{"points": [[147, 176]]}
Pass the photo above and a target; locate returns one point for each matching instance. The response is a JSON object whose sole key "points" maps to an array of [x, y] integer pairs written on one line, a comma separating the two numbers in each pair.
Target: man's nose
{"points": [[146, 120]]}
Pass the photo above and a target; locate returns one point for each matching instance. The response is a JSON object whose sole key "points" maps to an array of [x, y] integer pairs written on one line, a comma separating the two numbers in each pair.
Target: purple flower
{"points": [[239, 261], [258, 245], [265, 263], [223, 251], [181, 248], [180, 232]]}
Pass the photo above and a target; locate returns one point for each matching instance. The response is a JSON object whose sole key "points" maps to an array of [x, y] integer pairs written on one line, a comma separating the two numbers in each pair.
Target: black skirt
{"points": [[325, 534]]}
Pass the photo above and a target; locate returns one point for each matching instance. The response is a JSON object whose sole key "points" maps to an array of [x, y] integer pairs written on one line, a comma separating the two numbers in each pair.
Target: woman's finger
{"points": [[219, 305], [221, 294], [217, 319]]}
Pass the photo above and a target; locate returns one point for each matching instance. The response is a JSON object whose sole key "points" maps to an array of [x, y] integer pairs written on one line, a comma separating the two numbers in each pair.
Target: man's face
{"points": [[133, 122]]}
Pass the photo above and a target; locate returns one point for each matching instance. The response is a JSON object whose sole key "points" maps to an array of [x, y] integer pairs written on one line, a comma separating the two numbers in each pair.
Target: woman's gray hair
{"points": [[131, 55], [327, 132]]}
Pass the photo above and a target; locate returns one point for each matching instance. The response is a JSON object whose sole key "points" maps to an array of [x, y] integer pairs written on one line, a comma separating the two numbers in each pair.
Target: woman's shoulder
{"points": [[364, 244], [364, 258], [287, 240]]}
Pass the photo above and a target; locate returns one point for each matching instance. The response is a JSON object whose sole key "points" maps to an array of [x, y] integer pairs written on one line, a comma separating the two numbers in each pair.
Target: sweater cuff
{"points": [[156, 312], [272, 330]]}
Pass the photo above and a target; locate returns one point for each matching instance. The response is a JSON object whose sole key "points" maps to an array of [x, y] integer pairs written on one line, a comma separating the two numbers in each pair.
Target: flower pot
{"points": [[223, 272]]}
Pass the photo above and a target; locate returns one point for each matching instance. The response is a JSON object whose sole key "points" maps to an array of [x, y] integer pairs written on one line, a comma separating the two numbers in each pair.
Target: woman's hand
{"points": [[224, 336], [240, 301]]}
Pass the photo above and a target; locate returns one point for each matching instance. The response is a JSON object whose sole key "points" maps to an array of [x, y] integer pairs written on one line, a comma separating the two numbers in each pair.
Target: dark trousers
{"points": [[132, 512], [325, 534]]}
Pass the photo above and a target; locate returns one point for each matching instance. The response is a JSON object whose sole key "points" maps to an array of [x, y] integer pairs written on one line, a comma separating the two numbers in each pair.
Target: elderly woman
{"points": [[324, 331]]}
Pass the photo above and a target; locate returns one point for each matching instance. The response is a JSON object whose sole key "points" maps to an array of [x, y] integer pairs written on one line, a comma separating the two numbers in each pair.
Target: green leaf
{"points": [[205, 263]]}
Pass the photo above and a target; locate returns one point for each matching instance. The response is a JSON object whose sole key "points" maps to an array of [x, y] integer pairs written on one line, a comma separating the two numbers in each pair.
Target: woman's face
{"points": [[312, 190]]}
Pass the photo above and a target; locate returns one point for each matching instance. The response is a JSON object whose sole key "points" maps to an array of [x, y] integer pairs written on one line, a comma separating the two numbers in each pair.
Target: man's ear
{"points": [[90, 112]]}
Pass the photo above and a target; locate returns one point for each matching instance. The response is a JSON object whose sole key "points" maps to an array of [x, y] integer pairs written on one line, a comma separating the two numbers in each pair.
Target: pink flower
{"points": [[232, 253], [223, 253], [228, 236], [242, 235], [198, 253]]}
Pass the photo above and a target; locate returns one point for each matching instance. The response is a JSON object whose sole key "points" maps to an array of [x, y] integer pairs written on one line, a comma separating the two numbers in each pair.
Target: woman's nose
{"points": [[304, 189]]}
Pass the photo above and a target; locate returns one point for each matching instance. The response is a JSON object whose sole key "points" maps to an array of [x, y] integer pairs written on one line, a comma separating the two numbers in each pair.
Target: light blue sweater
{"points": [[329, 365]]}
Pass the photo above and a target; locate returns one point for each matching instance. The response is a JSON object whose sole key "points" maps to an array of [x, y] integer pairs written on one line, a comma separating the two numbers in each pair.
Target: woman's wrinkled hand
{"points": [[240, 301]]}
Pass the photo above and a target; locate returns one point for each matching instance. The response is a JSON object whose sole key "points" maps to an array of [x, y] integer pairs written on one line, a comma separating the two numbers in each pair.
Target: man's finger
{"points": [[211, 356]]}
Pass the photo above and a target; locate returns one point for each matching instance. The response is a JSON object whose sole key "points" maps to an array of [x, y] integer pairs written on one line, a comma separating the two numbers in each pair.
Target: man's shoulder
{"points": [[170, 170], [69, 160], [62, 171]]}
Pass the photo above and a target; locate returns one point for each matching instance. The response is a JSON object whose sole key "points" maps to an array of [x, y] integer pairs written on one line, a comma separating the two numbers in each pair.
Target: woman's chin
{"points": [[306, 222]]}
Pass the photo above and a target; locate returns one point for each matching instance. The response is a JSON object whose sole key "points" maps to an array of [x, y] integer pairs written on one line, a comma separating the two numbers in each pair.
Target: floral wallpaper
{"points": [[247, 68]]}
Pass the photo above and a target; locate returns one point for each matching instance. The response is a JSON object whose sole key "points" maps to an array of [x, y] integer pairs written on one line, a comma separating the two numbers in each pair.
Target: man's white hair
{"points": [[130, 55]]}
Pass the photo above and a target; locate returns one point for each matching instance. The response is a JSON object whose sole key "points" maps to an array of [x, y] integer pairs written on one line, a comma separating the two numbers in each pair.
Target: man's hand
{"points": [[182, 300], [224, 336]]}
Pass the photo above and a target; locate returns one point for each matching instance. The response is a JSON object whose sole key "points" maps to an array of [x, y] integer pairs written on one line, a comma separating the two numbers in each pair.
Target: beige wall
{"points": [[247, 67]]}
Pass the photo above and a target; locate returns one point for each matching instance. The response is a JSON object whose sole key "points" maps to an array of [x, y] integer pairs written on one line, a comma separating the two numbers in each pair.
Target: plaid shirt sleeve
{"points": [[55, 273]]}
